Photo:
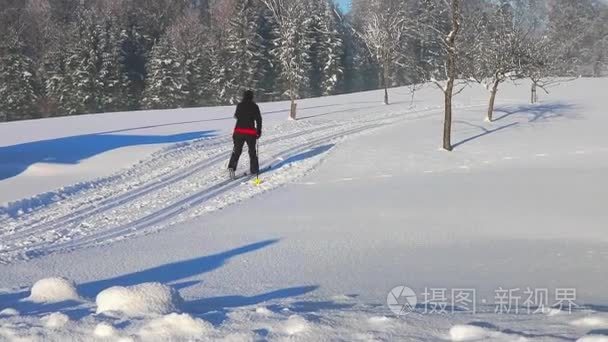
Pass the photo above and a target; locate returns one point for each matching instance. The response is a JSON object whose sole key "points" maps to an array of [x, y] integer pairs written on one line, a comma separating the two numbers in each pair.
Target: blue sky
{"points": [[343, 4]]}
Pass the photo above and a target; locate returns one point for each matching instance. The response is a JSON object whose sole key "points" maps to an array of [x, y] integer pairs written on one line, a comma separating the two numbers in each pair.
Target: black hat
{"points": [[248, 96]]}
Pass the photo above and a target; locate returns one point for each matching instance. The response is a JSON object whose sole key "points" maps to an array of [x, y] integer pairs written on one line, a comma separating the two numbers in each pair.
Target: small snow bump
{"points": [[591, 322], [379, 320], [295, 325], [53, 290], [175, 326], [55, 320], [466, 332], [553, 312], [139, 300], [9, 312], [263, 311], [104, 330]]}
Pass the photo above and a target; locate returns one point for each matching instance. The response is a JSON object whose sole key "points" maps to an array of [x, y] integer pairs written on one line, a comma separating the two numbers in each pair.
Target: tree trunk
{"points": [[492, 100], [292, 96], [451, 74], [447, 122], [533, 96], [448, 93], [292, 111], [385, 81]]}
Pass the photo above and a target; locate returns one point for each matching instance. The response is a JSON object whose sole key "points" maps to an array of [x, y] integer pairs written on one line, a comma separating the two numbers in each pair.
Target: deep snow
{"points": [[362, 200]]}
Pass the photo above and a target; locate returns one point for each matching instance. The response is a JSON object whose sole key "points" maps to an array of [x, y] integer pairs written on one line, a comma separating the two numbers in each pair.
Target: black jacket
{"points": [[248, 116]]}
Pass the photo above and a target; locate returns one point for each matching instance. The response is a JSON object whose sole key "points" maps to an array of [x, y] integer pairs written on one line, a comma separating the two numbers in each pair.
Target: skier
{"points": [[247, 130]]}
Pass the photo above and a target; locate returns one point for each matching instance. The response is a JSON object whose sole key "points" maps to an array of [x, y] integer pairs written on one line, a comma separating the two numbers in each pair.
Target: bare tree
{"points": [[443, 22], [497, 55], [385, 28]]}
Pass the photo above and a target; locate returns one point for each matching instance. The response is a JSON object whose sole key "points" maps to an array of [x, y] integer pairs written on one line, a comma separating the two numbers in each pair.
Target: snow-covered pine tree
{"points": [[569, 28], [268, 85], [57, 82], [292, 47], [17, 84], [243, 50], [164, 85], [361, 69], [313, 33], [333, 57], [134, 61], [187, 36], [83, 88], [328, 57], [112, 73]]}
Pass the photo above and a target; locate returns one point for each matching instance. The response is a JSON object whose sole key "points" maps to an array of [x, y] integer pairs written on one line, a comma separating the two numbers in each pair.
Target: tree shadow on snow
{"points": [[532, 113], [484, 131], [215, 310], [538, 112], [172, 272], [304, 155], [16, 159]]}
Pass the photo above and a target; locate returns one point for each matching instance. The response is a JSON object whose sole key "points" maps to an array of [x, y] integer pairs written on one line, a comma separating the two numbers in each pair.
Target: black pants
{"points": [[239, 141]]}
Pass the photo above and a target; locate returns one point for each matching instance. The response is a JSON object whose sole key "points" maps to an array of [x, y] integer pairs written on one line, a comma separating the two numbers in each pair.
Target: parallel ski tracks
{"points": [[14, 249], [112, 202]]}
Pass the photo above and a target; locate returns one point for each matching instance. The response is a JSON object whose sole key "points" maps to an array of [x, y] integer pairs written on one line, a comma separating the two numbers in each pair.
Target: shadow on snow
{"points": [[174, 271], [16, 159], [304, 155], [212, 309], [531, 113], [538, 112]]}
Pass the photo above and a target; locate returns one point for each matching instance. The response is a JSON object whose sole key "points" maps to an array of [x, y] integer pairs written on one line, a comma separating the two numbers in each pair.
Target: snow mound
{"points": [[175, 326], [379, 320], [593, 338], [139, 300], [104, 330], [9, 312], [53, 290], [465, 332], [264, 311], [591, 322], [295, 325], [55, 320]]}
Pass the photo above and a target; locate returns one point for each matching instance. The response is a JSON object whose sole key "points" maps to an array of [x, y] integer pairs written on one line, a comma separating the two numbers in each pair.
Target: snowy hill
{"points": [[134, 212]]}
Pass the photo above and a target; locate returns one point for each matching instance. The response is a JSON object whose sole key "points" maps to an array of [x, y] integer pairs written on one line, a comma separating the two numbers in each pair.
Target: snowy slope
{"points": [[363, 200]]}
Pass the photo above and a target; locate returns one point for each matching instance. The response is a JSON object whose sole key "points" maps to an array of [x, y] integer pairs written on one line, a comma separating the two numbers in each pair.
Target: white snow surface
{"points": [[134, 215]]}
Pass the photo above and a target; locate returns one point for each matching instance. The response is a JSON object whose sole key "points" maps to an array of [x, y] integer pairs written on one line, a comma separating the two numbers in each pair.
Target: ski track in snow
{"points": [[176, 184]]}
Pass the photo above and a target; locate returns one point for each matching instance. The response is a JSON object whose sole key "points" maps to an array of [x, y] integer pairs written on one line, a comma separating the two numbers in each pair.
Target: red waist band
{"points": [[245, 131]]}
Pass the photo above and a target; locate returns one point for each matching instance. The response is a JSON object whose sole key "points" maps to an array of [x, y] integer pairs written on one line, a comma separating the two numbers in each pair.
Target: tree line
{"points": [[66, 57]]}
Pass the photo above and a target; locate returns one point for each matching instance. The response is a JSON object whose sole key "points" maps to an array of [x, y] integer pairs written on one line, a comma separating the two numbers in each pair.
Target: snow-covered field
{"points": [[123, 226]]}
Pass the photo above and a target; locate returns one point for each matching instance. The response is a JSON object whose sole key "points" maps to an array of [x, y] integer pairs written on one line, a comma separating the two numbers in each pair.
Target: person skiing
{"points": [[248, 129]]}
